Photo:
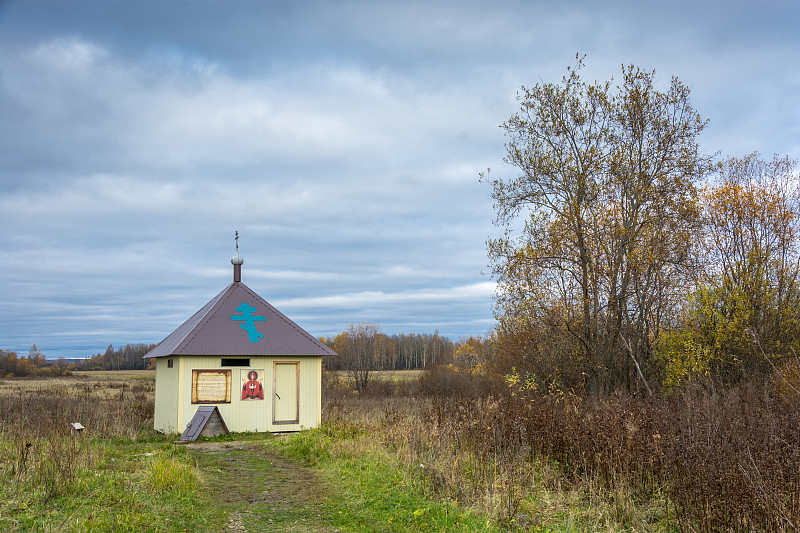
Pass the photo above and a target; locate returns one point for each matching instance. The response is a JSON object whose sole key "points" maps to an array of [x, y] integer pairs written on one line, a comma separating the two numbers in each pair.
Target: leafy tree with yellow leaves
{"points": [[746, 314], [606, 195]]}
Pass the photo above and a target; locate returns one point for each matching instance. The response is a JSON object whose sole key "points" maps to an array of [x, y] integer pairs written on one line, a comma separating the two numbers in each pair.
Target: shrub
{"points": [[729, 461], [443, 380]]}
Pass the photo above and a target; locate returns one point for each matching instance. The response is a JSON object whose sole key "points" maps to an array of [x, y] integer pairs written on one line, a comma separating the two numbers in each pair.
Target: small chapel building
{"points": [[262, 371]]}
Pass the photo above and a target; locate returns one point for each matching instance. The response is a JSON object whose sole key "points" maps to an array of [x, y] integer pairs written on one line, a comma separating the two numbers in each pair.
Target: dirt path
{"points": [[259, 490]]}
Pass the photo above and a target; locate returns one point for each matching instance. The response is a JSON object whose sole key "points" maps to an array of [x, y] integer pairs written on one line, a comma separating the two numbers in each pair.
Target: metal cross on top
{"points": [[237, 241]]}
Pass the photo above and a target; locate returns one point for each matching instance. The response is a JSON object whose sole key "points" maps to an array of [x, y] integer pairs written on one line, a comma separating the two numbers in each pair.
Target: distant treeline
{"points": [[12, 365], [405, 351], [131, 357]]}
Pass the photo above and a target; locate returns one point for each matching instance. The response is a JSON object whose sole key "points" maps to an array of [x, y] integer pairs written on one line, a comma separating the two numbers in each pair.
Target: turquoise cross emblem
{"points": [[249, 318]]}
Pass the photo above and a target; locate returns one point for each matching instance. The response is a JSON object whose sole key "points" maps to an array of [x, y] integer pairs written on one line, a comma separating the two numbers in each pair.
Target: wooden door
{"points": [[286, 393]]}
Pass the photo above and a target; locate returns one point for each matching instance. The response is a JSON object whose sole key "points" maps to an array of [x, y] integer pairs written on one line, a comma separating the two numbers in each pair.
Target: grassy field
{"points": [[101, 384], [116, 376], [387, 375], [407, 455], [119, 475]]}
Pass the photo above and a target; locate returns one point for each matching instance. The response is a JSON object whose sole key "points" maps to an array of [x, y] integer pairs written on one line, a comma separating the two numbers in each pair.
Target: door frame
{"points": [[296, 419]]}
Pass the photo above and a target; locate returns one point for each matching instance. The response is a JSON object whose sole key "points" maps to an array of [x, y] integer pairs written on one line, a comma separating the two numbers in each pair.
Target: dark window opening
{"points": [[169, 363], [235, 362]]}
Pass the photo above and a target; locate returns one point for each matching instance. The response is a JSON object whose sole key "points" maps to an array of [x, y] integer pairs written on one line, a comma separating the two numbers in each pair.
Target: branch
{"points": [[635, 362], [755, 339]]}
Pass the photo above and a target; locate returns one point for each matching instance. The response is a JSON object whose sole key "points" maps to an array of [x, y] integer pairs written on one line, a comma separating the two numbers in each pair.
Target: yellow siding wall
{"points": [[174, 408], [166, 404]]}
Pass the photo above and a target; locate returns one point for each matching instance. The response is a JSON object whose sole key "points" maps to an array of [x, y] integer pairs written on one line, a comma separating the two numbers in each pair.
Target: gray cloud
{"points": [[343, 140]]}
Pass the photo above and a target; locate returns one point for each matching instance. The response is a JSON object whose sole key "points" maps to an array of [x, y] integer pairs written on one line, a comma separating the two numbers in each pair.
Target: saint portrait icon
{"points": [[252, 385]]}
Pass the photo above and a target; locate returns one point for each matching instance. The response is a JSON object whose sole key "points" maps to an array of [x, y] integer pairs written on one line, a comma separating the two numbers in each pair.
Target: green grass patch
{"points": [[253, 489], [137, 486], [373, 491], [168, 473]]}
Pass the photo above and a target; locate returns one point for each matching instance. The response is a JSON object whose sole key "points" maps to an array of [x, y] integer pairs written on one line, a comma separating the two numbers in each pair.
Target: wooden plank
{"points": [[214, 426], [199, 424]]}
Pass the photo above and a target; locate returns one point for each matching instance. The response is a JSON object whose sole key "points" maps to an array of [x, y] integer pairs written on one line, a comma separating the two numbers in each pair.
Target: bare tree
{"points": [[362, 350]]}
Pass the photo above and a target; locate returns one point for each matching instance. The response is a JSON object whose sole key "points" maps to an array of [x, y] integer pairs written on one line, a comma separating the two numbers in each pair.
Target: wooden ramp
{"points": [[206, 422]]}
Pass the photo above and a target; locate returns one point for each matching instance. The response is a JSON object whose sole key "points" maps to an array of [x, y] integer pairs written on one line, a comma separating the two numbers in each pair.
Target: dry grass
{"points": [[516, 490], [116, 375], [392, 376], [695, 462], [136, 384], [382, 384], [38, 445]]}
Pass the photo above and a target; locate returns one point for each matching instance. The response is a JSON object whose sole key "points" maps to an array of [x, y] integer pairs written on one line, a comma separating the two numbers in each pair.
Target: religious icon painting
{"points": [[252, 384]]}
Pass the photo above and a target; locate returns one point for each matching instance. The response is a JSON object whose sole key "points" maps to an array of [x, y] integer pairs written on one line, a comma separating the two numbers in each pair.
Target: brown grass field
{"points": [[394, 376], [526, 461], [101, 384]]}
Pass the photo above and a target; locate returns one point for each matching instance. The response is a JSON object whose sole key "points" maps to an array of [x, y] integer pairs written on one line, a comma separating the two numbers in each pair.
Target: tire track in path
{"points": [[259, 490]]}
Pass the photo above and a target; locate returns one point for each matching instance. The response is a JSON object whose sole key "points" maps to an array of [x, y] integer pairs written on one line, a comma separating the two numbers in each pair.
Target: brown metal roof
{"points": [[239, 322]]}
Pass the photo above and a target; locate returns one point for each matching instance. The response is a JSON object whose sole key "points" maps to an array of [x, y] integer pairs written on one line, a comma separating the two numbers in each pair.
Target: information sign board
{"points": [[211, 386]]}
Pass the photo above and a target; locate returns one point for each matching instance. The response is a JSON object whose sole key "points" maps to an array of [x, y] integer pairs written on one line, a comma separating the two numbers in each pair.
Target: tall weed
{"points": [[39, 446], [699, 460]]}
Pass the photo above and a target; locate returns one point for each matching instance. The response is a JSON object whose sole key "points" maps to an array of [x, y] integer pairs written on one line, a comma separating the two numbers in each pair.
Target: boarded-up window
{"points": [[211, 386], [235, 361]]}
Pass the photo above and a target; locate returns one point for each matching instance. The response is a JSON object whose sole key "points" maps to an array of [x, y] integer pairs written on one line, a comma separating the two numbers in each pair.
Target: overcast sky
{"points": [[343, 140]]}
